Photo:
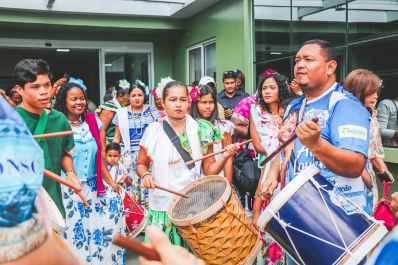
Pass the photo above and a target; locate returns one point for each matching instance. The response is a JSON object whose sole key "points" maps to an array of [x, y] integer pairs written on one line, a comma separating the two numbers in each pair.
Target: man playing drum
{"points": [[337, 144]]}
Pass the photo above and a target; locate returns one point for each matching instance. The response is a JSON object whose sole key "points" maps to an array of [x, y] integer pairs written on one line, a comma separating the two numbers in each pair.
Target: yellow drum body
{"points": [[214, 224]]}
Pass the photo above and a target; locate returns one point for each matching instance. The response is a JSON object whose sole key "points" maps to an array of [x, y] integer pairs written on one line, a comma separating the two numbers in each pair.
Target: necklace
{"points": [[140, 121], [75, 123], [180, 133], [177, 121]]}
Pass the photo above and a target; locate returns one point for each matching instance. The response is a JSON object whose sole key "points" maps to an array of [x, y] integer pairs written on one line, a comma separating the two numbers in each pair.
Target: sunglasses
{"points": [[229, 74]]}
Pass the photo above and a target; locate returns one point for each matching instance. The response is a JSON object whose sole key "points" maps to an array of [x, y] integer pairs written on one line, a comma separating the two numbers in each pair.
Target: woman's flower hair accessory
{"points": [[124, 84], [147, 91], [268, 71], [194, 94], [162, 84], [154, 92]]}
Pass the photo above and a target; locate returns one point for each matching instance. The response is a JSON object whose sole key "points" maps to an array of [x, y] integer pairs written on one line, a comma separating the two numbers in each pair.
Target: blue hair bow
{"points": [[79, 82]]}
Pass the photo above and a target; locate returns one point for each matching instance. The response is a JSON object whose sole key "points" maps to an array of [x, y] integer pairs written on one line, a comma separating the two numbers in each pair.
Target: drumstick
{"points": [[54, 134], [85, 202], [171, 191], [60, 180], [67, 183], [215, 153], [137, 247], [280, 148]]}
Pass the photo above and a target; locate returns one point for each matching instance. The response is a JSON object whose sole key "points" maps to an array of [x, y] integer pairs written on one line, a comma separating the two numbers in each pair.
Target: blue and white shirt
{"points": [[117, 172], [344, 123]]}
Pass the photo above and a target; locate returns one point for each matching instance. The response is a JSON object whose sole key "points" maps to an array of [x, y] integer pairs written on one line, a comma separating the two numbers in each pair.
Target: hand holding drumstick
{"points": [[229, 150], [75, 188], [148, 181], [160, 251], [309, 133]]}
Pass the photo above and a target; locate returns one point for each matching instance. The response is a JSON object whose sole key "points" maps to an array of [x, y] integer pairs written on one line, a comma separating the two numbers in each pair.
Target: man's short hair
{"points": [[228, 74], [27, 70], [326, 47]]}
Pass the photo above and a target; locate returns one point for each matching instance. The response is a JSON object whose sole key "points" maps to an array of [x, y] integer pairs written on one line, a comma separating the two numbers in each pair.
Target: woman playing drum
{"points": [[168, 169]]}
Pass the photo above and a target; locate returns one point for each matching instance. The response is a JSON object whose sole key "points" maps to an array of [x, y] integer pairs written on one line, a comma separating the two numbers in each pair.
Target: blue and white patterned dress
{"points": [[137, 124], [90, 230]]}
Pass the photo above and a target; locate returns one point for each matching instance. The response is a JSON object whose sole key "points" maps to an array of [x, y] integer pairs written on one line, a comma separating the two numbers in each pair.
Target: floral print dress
{"points": [[267, 127], [90, 231], [375, 150]]}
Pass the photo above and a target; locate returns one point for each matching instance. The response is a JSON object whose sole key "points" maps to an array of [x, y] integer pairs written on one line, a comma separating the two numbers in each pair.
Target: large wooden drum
{"points": [[214, 224]]}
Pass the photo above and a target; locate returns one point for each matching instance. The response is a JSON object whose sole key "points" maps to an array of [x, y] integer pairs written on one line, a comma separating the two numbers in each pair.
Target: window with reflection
{"points": [[201, 61], [367, 18]]}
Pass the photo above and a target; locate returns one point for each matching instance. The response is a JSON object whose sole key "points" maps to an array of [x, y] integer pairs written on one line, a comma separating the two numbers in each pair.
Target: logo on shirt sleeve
{"points": [[353, 131]]}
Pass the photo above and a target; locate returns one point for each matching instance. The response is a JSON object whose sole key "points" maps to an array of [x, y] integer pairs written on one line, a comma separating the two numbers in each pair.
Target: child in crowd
{"points": [[116, 169]]}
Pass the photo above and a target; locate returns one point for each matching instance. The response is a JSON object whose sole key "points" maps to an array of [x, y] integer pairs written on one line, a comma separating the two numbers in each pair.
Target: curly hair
{"points": [[60, 100], [283, 92]]}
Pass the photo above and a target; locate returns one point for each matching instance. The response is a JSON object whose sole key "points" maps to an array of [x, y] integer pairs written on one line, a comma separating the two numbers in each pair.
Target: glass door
{"points": [[129, 66]]}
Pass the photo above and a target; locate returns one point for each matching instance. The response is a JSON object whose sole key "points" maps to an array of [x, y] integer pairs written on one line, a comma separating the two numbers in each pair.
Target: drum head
{"points": [[205, 197]]}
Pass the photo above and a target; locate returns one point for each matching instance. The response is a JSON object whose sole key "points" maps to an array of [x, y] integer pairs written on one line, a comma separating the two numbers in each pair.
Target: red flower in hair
{"points": [[194, 94], [154, 92], [268, 72]]}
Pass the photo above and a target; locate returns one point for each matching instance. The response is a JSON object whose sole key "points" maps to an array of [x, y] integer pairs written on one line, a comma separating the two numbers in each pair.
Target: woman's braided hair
{"points": [[60, 100]]}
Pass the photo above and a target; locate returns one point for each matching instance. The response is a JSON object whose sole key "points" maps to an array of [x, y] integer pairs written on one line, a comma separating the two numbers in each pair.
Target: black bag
{"points": [[246, 173]]}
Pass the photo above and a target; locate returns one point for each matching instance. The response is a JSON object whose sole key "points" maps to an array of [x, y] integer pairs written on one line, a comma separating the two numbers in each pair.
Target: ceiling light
{"points": [[108, 65], [63, 50], [275, 53]]}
